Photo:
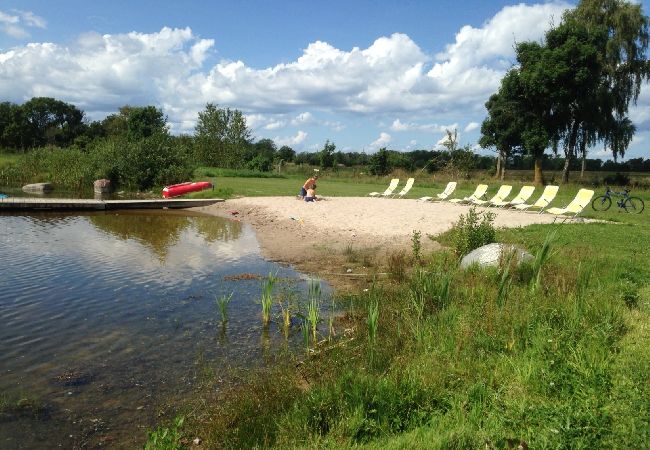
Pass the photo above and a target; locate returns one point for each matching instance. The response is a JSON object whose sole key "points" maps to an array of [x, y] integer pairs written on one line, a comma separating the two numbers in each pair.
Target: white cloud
{"points": [[471, 126], [381, 141], [298, 139], [398, 125], [275, 125], [305, 118], [168, 68], [14, 24]]}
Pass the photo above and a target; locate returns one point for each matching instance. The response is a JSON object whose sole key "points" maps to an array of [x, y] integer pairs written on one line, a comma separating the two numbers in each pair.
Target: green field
{"points": [[555, 355]]}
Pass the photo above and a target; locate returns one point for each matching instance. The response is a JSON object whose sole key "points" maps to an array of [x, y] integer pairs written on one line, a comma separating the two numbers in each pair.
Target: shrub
{"points": [[472, 231]]}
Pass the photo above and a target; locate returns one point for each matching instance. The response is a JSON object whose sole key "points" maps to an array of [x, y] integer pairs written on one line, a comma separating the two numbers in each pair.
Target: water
{"points": [[106, 318]]}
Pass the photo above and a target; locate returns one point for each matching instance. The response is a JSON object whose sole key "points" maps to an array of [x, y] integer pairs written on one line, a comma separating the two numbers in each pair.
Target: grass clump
{"points": [[472, 231], [166, 438]]}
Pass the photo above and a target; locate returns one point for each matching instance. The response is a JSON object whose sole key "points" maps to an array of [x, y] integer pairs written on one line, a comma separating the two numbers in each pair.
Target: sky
{"points": [[362, 74]]}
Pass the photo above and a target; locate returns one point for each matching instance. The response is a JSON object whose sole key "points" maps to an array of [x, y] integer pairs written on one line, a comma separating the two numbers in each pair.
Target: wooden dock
{"points": [[73, 204]]}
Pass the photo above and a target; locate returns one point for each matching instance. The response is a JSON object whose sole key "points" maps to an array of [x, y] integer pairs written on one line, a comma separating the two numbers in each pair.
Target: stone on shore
{"points": [[38, 188], [494, 255]]}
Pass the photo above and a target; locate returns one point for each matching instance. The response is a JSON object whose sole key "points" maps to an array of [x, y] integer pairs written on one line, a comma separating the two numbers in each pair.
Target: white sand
{"points": [[288, 228]]}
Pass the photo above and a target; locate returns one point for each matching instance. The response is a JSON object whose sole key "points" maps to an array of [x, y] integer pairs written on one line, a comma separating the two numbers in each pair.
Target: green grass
{"points": [[467, 359]]}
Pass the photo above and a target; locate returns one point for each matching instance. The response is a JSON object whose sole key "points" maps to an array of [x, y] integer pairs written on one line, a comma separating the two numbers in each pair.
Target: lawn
{"points": [[548, 355]]}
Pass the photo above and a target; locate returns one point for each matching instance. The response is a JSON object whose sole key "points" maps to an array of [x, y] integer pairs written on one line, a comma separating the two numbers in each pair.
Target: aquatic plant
{"points": [[267, 297], [305, 333], [222, 304], [313, 308]]}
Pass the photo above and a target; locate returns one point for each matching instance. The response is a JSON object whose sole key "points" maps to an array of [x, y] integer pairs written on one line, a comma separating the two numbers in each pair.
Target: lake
{"points": [[107, 318]]}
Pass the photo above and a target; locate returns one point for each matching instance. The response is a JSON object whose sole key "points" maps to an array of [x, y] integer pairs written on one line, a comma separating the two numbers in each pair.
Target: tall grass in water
{"points": [[313, 308], [541, 258], [222, 304], [267, 298]]}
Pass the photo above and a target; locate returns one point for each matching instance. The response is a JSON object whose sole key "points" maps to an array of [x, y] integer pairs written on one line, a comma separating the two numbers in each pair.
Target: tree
{"points": [[327, 155], [503, 127], [50, 121], [222, 137], [379, 163], [624, 69], [286, 153], [136, 122]]}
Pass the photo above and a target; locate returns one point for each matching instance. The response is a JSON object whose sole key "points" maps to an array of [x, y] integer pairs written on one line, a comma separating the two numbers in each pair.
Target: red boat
{"points": [[185, 188]]}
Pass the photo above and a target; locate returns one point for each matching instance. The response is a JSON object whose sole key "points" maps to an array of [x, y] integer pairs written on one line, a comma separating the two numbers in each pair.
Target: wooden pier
{"points": [[72, 204]]}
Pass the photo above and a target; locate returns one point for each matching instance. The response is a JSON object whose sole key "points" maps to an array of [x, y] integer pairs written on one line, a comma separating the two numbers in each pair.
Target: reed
{"points": [[541, 258], [313, 316], [373, 321], [267, 298], [222, 304], [305, 333]]}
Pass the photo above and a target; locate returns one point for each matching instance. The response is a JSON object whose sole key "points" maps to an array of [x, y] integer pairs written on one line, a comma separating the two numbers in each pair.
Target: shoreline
{"points": [[336, 236]]}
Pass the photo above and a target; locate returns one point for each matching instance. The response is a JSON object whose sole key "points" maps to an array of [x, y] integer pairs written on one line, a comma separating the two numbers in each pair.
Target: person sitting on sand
{"points": [[311, 196], [309, 184]]}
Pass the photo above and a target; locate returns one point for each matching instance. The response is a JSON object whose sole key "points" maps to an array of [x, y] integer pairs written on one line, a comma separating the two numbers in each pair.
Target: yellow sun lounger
{"points": [[543, 201], [480, 191], [444, 194], [406, 189], [524, 194], [501, 194], [581, 200], [389, 191]]}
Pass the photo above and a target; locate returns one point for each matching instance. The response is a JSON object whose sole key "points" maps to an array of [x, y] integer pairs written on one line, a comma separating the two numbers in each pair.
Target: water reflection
{"points": [[103, 316], [159, 232]]}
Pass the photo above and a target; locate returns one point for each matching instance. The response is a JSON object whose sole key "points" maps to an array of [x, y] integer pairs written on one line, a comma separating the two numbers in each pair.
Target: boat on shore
{"points": [[185, 188]]}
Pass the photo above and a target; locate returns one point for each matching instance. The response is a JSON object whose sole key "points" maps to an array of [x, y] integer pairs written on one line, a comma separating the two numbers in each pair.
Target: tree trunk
{"points": [[503, 166], [539, 176], [583, 152], [566, 170], [497, 174], [569, 151]]}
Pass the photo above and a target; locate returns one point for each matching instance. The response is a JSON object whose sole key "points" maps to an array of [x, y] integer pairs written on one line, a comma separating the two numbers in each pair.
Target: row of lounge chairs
{"points": [[388, 193], [581, 200], [575, 207]]}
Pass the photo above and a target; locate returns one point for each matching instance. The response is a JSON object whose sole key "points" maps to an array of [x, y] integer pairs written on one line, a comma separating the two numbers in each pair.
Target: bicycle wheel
{"points": [[634, 205], [601, 203]]}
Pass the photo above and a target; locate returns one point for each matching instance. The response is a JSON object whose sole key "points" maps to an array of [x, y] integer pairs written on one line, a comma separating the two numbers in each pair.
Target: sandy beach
{"points": [[303, 234]]}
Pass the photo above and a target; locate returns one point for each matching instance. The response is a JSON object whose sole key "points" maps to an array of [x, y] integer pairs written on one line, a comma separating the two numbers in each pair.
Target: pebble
{"points": [[196, 441]]}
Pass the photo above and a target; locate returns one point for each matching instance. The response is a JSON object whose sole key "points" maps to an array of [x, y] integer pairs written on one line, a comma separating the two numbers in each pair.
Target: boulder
{"points": [[494, 254], [38, 188], [102, 186]]}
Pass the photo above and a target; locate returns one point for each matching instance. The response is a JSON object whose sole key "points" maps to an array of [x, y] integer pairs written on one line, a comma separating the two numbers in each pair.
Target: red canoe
{"points": [[184, 188]]}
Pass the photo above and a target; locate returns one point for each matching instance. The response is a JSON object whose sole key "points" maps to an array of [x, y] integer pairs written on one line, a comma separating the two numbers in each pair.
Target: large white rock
{"points": [[492, 254], [38, 188]]}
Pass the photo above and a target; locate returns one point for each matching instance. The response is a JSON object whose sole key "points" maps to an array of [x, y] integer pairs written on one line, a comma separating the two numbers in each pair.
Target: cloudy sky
{"points": [[364, 74]]}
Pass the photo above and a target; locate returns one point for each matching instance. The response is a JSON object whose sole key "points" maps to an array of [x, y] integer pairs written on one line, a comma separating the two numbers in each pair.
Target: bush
{"points": [[619, 179], [473, 231]]}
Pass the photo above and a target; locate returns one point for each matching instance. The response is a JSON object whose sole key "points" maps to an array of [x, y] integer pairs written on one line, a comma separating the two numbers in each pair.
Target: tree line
{"points": [[573, 90]]}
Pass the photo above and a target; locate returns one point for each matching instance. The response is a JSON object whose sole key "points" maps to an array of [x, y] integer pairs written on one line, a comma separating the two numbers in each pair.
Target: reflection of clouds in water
{"points": [[195, 247]]}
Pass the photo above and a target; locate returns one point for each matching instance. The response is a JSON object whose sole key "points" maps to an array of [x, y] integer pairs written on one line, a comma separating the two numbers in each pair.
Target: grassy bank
{"points": [[553, 355]]}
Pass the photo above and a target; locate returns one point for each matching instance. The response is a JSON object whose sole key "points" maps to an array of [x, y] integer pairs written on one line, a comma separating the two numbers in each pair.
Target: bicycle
{"points": [[633, 205]]}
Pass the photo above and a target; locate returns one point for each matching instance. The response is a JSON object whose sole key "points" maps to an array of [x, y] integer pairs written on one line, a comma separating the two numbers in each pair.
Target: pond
{"points": [[108, 317]]}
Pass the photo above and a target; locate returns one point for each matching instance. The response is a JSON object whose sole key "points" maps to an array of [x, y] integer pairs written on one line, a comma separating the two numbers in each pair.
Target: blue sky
{"points": [[363, 74]]}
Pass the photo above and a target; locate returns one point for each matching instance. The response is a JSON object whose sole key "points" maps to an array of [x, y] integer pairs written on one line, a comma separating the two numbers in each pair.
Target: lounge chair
{"points": [[524, 194], [389, 191], [444, 194], [582, 199], [406, 189], [480, 191], [501, 194], [542, 202]]}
